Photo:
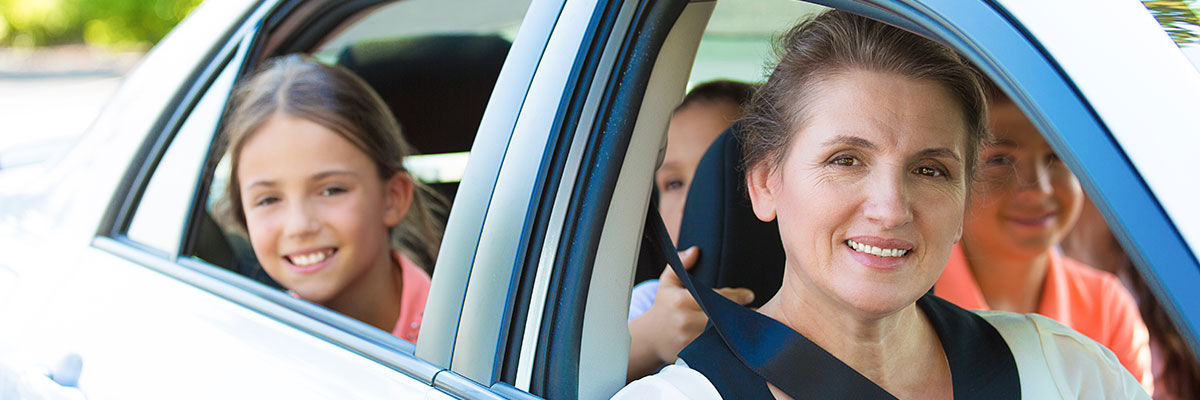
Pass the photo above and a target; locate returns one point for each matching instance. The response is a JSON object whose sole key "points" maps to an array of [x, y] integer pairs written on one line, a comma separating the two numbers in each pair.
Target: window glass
{"points": [[1181, 20], [160, 215], [737, 41]]}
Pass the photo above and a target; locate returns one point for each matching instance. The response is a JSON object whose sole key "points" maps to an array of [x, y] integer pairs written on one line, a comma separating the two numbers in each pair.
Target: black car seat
{"points": [[736, 248], [437, 86]]}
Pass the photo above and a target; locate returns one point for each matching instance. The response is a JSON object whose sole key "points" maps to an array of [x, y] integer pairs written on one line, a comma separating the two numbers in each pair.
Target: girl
{"points": [[317, 182]]}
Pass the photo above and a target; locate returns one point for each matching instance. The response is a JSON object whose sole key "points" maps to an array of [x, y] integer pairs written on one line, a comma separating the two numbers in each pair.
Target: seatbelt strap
{"points": [[775, 352]]}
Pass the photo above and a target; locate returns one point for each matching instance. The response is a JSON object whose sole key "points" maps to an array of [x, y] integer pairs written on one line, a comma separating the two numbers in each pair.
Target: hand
{"points": [[673, 321]]}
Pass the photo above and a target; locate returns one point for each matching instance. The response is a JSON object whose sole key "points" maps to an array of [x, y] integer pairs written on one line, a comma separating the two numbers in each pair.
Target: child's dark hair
{"points": [[340, 101], [721, 90]]}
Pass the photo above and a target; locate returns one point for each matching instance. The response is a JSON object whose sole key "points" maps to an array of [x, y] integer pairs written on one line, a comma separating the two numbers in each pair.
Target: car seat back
{"points": [[736, 248]]}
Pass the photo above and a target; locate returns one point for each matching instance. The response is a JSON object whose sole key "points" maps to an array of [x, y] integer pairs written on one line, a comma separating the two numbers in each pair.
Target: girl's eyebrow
{"points": [[261, 182], [333, 172]]}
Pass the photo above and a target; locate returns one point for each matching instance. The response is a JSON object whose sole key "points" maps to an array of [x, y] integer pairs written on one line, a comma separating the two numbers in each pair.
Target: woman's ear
{"points": [[398, 194], [762, 196]]}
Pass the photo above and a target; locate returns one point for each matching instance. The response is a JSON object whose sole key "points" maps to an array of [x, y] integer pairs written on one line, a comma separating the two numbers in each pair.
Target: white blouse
{"points": [[1052, 360]]}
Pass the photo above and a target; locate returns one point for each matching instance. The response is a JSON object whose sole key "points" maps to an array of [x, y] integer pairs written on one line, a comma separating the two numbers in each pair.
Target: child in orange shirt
{"points": [[318, 183], [1023, 203]]}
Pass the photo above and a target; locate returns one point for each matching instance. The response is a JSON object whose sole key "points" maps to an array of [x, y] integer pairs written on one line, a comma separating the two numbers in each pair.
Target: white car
{"points": [[109, 258]]}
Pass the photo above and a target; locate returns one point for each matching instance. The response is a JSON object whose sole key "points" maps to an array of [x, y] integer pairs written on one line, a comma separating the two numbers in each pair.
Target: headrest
{"points": [[736, 248], [436, 86]]}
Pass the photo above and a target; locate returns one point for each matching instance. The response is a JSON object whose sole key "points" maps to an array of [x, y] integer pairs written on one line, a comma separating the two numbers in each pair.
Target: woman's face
{"points": [[1025, 199], [870, 195], [317, 212]]}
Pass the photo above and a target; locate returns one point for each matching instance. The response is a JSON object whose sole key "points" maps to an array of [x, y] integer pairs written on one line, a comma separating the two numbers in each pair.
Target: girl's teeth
{"points": [[309, 259], [875, 251]]}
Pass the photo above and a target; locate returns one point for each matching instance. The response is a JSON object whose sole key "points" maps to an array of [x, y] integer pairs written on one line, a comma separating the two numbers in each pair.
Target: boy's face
{"points": [[1025, 198], [692, 130]]}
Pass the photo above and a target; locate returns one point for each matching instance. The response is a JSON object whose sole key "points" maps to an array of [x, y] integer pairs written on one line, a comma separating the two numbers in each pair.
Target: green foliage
{"points": [[1177, 18], [108, 23]]}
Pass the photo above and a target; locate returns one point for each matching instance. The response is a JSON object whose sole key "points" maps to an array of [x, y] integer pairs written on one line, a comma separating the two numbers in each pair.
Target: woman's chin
{"points": [[879, 302]]}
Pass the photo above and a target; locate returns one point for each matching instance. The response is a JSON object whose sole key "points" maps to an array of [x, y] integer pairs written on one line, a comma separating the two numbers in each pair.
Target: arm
{"points": [[672, 322]]}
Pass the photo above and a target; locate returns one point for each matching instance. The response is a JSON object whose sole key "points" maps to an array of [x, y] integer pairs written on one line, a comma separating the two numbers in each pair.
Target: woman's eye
{"points": [[333, 190], [845, 161], [931, 172]]}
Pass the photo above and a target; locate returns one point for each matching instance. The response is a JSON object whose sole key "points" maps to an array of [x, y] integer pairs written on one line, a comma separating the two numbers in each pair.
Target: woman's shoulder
{"points": [[1052, 357], [676, 381]]}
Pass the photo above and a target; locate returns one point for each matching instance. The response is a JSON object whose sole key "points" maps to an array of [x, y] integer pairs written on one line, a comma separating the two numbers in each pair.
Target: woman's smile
{"points": [[880, 253]]}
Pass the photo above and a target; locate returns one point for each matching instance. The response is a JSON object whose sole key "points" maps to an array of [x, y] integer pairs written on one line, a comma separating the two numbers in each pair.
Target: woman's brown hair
{"points": [[835, 42], [340, 101]]}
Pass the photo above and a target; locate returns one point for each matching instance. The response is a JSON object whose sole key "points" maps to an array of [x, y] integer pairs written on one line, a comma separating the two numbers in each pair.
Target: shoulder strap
{"points": [[708, 355], [966, 339], [775, 353]]}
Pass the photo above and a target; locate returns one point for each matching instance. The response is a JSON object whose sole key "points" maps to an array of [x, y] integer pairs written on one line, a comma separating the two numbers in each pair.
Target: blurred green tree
{"points": [[1177, 18], [106, 23]]}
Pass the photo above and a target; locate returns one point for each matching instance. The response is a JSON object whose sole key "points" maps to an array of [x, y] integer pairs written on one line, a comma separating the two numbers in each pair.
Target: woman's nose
{"points": [[887, 203], [301, 220]]}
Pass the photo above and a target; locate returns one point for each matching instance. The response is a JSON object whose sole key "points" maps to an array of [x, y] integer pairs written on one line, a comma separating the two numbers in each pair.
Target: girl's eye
{"points": [[333, 190], [845, 161], [932, 172], [266, 201], [1053, 157]]}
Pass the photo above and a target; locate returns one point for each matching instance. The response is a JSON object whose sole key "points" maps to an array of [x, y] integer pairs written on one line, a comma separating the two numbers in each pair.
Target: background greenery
{"points": [[121, 24]]}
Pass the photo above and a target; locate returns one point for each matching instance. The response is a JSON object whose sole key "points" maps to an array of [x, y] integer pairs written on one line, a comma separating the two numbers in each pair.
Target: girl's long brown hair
{"points": [[340, 101]]}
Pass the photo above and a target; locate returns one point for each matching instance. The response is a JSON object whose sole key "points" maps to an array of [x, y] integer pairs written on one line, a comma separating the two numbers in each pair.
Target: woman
{"points": [[1023, 203], [862, 145]]}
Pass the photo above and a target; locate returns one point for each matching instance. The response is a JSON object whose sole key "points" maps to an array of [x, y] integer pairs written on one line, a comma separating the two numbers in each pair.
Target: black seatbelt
{"points": [[775, 352]]}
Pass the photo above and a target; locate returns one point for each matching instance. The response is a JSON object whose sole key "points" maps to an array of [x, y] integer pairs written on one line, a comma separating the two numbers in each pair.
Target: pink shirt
{"points": [[1086, 299], [414, 288]]}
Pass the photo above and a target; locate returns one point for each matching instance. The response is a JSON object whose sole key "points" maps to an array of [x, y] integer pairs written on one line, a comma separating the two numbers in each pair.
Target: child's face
{"points": [[316, 209], [692, 130], [1025, 199]]}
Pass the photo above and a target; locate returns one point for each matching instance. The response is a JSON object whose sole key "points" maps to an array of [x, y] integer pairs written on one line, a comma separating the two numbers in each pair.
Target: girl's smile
{"points": [[309, 262]]}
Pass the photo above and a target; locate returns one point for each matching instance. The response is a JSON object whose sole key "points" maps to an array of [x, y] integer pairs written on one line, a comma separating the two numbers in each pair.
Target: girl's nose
{"points": [[301, 221], [887, 203]]}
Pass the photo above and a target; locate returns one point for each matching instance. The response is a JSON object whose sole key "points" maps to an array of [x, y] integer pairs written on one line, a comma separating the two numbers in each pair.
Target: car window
{"points": [[733, 50], [162, 212]]}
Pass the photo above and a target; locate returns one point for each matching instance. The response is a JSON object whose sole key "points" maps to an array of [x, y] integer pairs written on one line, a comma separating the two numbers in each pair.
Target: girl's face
{"points": [[1025, 199], [316, 209], [870, 195]]}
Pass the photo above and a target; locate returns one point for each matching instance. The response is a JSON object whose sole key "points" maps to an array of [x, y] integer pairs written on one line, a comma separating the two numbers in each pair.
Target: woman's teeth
{"points": [[875, 251], [305, 260]]}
